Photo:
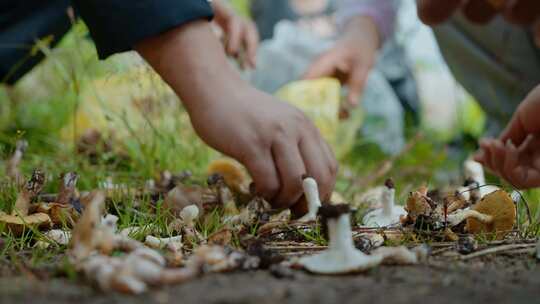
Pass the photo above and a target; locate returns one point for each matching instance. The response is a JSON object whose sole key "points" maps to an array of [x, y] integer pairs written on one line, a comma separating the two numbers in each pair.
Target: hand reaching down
{"points": [[351, 59]]}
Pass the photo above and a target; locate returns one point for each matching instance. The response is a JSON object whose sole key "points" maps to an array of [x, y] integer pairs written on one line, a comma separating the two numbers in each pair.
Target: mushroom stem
{"points": [[459, 216], [388, 197], [339, 234], [311, 191]]}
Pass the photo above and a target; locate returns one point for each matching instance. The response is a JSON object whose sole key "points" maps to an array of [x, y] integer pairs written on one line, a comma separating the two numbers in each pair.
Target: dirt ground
{"points": [[502, 279]]}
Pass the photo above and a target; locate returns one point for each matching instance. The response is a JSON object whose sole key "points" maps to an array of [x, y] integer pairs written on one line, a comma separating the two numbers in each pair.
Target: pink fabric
{"points": [[383, 12]]}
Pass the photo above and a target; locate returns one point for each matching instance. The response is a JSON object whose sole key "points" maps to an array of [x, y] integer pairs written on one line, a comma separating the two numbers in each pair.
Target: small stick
{"points": [[493, 250]]}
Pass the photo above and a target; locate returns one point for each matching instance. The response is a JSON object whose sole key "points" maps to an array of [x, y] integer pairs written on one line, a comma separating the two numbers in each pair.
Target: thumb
{"points": [[324, 66]]}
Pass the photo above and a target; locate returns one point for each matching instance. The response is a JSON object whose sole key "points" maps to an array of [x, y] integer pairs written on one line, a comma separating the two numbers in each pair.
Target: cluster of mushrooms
{"points": [[135, 258], [475, 208]]}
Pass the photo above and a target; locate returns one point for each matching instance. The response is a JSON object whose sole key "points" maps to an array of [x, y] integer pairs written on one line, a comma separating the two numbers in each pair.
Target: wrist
{"points": [[362, 30]]}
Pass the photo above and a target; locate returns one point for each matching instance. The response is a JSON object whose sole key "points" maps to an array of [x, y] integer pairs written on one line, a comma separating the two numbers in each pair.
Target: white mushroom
{"points": [[189, 214], [311, 192], [59, 236], [341, 255], [389, 214], [160, 243], [474, 171]]}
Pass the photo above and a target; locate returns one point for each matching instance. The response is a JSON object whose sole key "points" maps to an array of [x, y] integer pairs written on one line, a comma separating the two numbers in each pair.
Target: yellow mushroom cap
{"points": [[500, 206], [232, 173], [16, 224]]}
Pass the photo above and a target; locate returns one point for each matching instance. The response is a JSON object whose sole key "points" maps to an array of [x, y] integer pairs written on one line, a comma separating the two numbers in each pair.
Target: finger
{"points": [[251, 41], [522, 12], [433, 12], [479, 11], [290, 167], [317, 166], [479, 156], [263, 171], [486, 147], [497, 157], [514, 131], [356, 84], [324, 66], [234, 38], [531, 178], [511, 161]]}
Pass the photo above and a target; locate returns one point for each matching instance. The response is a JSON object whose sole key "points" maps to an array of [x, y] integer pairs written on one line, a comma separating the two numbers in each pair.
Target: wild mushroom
{"points": [[224, 196], [12, 169], [341, 255], [160, 243], [58, 236], [501, 212], [19, 219], [389, 214], [494, 214], [475, 172], [311, 191], [233, 174]]}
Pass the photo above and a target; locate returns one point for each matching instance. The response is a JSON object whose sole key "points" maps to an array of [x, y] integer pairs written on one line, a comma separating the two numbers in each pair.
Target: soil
{"points": [[500, 279]]}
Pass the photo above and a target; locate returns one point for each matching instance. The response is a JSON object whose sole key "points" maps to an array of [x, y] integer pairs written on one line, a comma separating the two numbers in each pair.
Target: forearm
{"points": [[191, 60], [381, 12]]}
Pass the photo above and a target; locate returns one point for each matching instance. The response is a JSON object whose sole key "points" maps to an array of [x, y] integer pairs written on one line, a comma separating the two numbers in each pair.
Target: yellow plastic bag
{"points": [[320, 100]]}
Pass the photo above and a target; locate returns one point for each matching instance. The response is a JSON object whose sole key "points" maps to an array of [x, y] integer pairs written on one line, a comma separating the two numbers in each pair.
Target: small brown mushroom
{"points": [[17, 224], [67, 188], [498, 215]]}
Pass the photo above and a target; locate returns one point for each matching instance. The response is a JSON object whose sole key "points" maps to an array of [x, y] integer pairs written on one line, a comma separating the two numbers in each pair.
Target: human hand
{"points": [[241, 35], [515, 156], [275, 142], [351, 59], [521, 12]]}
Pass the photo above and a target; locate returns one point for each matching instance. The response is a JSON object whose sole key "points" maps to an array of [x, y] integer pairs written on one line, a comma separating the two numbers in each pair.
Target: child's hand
{"points": [[515, 156], [520, 166], [351, 59], [242, 37], [522, 12]]}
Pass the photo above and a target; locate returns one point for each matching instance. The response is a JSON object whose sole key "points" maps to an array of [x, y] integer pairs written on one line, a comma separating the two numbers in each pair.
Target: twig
{"points": [[493, 250]]}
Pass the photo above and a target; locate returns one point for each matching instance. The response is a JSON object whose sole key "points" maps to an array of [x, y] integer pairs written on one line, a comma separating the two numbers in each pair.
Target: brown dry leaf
{"points": [[30, 190], [221, 237], [12, 169]]}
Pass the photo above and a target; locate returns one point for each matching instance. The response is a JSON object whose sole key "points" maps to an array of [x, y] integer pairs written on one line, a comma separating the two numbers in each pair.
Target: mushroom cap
{"points": [[340, 262], [377, 218], [16, 224], [501, 207], [233, 174]]}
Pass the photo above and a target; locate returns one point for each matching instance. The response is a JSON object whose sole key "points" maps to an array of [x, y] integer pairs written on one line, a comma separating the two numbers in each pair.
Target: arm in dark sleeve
{"points": [[117, 25]]}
